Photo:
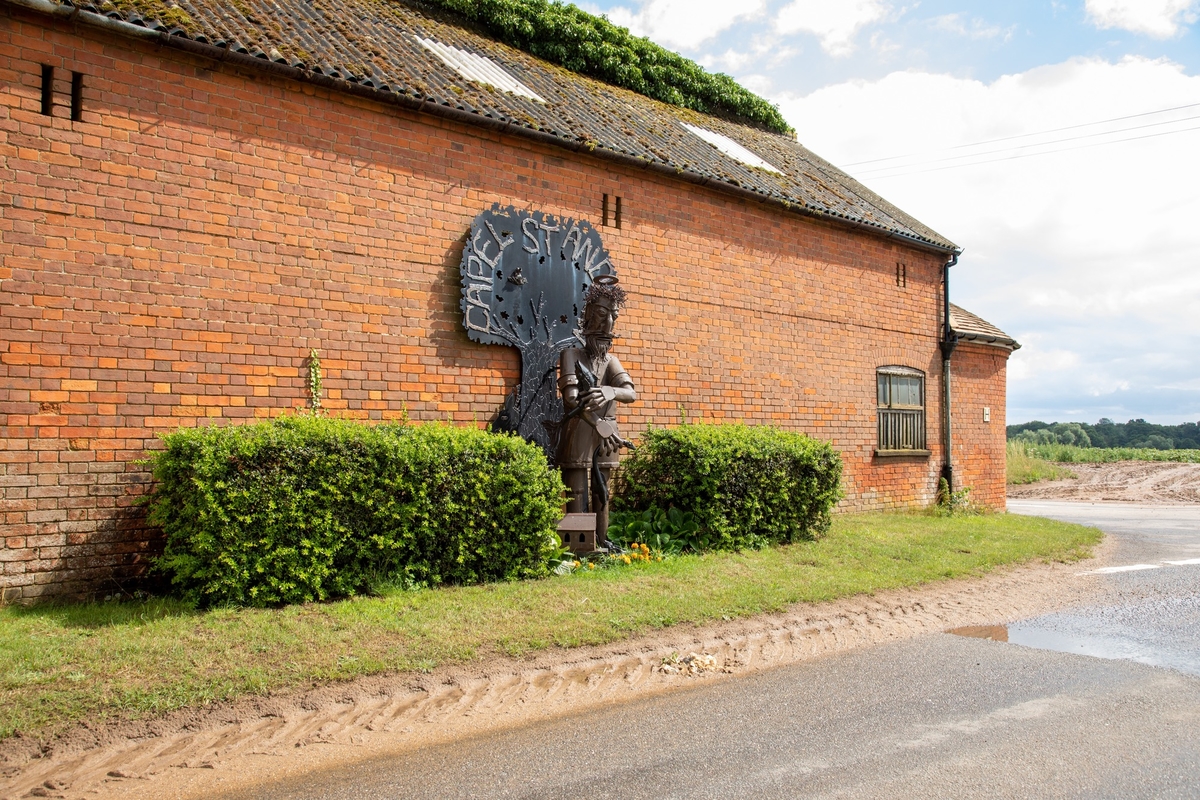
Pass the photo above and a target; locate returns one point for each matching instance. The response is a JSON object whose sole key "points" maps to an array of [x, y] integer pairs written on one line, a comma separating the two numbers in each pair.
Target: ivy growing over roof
{"points": [[593, 46]]}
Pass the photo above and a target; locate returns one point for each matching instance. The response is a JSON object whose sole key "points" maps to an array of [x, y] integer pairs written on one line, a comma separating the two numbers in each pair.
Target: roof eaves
{"points": [[973, 328], [995, 341]]}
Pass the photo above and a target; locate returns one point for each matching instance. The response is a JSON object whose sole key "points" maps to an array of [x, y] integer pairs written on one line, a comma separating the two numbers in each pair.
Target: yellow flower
{"points": [[626, 559], [576, 565], [591, 565]]}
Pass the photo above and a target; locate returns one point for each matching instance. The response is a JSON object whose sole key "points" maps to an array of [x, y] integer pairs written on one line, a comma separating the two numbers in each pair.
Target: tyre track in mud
{"points": [[201, 752]]}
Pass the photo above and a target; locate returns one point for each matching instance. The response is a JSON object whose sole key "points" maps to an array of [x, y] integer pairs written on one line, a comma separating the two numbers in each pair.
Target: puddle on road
{"points": [[1085, 643], [993, 633]]}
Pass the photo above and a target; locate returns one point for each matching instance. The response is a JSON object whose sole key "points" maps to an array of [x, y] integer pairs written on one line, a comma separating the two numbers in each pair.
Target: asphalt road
{"points": [[1147, 608], [938, 716]]}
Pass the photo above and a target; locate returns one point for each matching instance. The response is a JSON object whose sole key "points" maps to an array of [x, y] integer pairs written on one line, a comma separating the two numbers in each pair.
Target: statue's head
{"points": [[601, 306]]}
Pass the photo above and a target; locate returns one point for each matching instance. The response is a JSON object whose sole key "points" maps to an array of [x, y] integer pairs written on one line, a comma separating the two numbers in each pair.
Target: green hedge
{"points": [[306, 508], [744, 486], [565, 35]]}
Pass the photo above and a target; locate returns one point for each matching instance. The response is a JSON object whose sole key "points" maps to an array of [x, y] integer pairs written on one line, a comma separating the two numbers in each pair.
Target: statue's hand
{"points": [[611, 444], [610, 440], [597, 398]]}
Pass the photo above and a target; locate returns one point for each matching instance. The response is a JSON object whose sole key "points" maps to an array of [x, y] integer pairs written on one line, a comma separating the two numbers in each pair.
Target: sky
{"points": [[1057, 142]]}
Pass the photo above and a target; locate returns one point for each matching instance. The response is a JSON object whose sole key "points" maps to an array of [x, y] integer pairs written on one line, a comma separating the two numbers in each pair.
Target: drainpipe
{"points": [[948, 343]]}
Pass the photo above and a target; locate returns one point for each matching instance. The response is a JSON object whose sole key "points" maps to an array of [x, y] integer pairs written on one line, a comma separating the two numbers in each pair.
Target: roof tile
{"points": [[975, 329]]}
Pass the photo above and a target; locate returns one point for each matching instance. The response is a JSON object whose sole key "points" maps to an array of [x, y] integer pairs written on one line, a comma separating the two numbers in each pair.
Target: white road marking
{"points": [[1187, 563], [1129, 568]]}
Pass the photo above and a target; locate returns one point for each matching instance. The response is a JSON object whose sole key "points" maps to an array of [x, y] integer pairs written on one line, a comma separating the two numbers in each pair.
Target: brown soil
{"points": [[1124, 481], [257, 740]]}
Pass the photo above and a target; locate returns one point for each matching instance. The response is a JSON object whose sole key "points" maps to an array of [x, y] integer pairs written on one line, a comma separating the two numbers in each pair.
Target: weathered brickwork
{"points": [[977, 381], [171, 258]]}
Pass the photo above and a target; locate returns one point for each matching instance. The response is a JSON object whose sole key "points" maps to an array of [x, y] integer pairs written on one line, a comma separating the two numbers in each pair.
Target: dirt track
{"points": [[1125, 481], [205, 751]]}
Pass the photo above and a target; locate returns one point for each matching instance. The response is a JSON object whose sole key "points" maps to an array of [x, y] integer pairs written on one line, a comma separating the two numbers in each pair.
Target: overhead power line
{"points": [[1027, 155], [1028, 135], [1018, 149]]}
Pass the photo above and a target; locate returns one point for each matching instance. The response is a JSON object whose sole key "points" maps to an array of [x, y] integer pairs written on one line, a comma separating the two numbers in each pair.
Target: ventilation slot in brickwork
{"points": [[902, 275], [47, 89], [76, 96], [611, 204]]}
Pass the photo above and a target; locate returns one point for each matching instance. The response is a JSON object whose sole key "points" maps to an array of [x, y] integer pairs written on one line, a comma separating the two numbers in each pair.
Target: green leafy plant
{"points": [[570, 37], [954, 503], [314, 379], [560, 559], [667, 531], [740, 486], [308, 508]]}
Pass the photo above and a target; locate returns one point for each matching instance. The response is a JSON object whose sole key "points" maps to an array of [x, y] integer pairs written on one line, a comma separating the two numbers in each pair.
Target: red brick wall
{"points": [[173, 257], [977, 382]]}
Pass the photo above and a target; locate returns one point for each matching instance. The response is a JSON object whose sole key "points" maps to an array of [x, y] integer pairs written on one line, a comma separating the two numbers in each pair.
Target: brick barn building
{"points": [[192, 202]]}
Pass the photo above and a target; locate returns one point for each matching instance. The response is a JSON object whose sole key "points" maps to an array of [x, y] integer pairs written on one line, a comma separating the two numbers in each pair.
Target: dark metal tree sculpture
{"points": [[524, 274]]}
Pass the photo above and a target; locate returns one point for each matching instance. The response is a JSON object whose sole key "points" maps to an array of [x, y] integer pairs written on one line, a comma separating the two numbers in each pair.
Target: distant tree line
{"points": [[1106, 433]]}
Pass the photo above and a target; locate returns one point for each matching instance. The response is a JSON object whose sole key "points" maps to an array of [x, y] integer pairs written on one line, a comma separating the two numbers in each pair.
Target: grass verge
{"points": [[68, 663], [1023, 466]]}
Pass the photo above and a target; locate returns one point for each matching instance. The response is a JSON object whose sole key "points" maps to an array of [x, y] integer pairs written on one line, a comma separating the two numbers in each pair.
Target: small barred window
{"points": [[901, 393]]}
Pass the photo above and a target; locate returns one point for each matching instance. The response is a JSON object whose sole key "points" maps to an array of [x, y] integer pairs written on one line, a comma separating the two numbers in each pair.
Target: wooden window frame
{"points": [[900, 428]]}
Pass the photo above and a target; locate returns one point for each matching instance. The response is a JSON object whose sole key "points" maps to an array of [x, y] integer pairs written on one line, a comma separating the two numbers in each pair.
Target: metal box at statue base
{"points": [[578, 532]]}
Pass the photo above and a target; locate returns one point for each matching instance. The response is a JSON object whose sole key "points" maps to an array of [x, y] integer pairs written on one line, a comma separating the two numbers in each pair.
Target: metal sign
{"points": [[524, 274]]}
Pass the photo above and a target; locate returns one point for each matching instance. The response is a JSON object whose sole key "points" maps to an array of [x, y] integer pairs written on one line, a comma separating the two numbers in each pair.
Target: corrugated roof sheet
{"points": [[376, 44], [976, 329], [731, 148]]}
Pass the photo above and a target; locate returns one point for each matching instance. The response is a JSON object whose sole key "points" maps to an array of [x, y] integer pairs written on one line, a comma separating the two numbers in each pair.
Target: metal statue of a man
{"points": [[592, 382]]}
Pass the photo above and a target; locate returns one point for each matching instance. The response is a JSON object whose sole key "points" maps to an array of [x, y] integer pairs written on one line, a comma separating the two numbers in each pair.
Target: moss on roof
{"points": [[171, 15], [570, 37]]}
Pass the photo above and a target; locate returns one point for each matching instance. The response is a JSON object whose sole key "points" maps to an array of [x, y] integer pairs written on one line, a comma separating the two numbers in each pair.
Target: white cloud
{"points": [[1038, 362], [684, 24], [835, 23], [1088, 255], [884, 46], [764, 52], [729, 61], [1161, 19], [759, 84], [975, 29]]}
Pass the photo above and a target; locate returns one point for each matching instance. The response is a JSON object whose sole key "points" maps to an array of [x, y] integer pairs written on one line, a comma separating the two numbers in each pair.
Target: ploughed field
{"points": [[1121, 481]]}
